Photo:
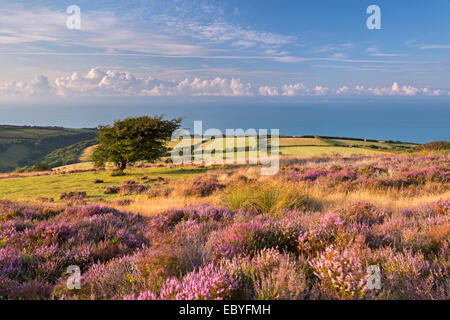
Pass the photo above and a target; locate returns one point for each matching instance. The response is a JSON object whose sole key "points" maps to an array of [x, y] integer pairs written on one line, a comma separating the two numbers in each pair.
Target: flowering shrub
{"points": [[37, 246], [408, 275], [117, 278], [130, 187], [312, 175], [203, 188], [342, 175], [203, 212], [442, 207], [245, 239], [297, 235], [278, 276], [159, 190], [111, 190], [73, 195], [207, 283], [341, 273], [363, 212]]}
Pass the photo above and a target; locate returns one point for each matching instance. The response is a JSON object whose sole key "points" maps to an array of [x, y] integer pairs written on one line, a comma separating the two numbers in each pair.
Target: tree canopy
{"points": [[134, 139]]}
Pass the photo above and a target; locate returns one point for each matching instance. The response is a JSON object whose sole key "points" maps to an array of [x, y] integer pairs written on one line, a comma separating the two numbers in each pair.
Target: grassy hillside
{"points": [[68, 155], [24, 146], [305, 146], [55, 146]]}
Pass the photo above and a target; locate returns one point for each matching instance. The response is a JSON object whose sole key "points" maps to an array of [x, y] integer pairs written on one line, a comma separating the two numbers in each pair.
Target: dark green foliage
{"points": [[23, 146], [134, 139], [40, 167], [433, 146], [67, 155]]}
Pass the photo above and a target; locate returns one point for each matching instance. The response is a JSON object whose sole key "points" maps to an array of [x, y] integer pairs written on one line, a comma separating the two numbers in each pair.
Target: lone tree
{"points": [[134, 139]]}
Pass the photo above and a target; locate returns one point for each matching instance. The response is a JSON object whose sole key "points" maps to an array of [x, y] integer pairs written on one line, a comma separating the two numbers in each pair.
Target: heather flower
{"points": [[343, 175], [202, 188], [363, 212], [36, 248], [408, 275], [341, 273], [246, 239], [203, 212], [206, 283], [442, 207], [132, 188], [73, 195], [278, 276], [330, 220], [312, 175]]}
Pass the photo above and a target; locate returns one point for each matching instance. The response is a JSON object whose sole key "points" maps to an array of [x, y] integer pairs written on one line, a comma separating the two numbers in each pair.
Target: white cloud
{"points": [[435, 46], [340, 47], [102, 31], [39, 86], [319, 90], [375, 52], [300, 89], [291, 90], [222, 31], [268, 91], [198, 87], [396, 89], [342, 90], [99, 82]]}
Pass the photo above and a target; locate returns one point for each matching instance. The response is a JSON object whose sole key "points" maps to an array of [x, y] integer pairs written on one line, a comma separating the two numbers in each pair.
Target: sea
{"points": [[407, 120]]}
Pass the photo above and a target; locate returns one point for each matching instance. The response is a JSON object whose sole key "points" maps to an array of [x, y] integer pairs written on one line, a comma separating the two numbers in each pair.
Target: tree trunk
{"points": [[123, 165]]}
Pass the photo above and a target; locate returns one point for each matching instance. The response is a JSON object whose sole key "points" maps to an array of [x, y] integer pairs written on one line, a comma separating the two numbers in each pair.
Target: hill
{"points": [[22, 146]]}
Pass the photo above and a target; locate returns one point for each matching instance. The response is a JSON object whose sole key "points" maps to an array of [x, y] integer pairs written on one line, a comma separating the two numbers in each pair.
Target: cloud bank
{"points": [[98, 82]]}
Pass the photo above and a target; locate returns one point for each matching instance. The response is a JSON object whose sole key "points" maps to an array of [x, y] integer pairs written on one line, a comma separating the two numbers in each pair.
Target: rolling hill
{"points": [[22, 146]]}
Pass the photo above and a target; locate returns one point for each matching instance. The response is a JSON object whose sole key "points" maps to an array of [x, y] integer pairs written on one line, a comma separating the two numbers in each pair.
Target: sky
{"points": [[250, 49]]}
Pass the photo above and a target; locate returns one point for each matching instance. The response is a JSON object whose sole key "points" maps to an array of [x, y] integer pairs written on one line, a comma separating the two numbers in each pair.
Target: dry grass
{"points": [[271, 193], [153, 206], [87, 153]]}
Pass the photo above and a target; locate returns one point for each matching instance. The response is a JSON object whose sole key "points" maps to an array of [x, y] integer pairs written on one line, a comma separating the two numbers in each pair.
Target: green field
{"points": [[70, 149], [294, 141], [51, 186]]}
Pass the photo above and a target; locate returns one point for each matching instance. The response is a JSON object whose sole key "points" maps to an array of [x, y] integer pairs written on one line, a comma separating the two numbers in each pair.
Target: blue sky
{"points": [[224, 48]]}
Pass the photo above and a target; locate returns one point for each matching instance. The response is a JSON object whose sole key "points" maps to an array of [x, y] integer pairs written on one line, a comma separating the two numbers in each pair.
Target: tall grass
{"points": [[269, 197]]}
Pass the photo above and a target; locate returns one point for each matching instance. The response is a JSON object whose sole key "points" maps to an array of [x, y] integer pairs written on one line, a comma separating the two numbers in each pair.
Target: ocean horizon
{"points": [[408, 121]]}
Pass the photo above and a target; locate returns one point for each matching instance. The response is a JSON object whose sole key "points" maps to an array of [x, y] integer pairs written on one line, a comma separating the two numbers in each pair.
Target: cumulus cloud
{"points": [[299, 89], [342, 90], [198, 87], [99, 82], [291, 90], [405, 90], [39, 86], [268, 91]]}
